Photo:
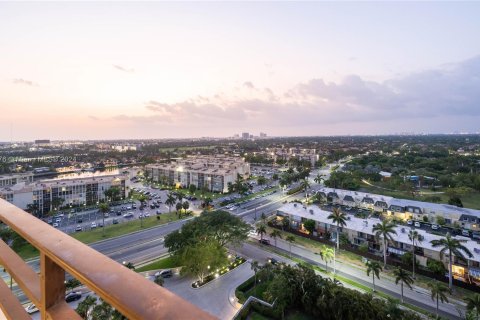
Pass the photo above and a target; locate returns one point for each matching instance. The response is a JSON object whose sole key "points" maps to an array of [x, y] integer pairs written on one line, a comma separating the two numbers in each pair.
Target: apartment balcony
{"points": [[128, 292]]}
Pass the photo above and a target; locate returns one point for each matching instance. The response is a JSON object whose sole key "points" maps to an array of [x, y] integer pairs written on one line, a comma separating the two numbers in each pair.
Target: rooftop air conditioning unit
{"points": [[403, 230], [311, 211], [294, 204], [365, 223]]}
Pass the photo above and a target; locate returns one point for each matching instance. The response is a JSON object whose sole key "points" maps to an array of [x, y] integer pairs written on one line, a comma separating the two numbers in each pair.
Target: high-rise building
{"points": [[263, 135], [245, 135]]}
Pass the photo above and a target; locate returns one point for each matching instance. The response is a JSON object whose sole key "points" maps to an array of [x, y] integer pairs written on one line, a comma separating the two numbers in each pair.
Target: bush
{"points": [[363, 248], [436, 266], [425, 219]]}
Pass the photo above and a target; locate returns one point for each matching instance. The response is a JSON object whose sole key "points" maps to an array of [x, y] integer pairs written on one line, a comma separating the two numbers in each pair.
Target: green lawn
{"points": [[120, 229], [250, 196], [164, 263]]}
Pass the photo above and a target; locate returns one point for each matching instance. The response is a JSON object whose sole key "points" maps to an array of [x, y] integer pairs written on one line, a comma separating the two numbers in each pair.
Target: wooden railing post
{"points": [[52, 285]]}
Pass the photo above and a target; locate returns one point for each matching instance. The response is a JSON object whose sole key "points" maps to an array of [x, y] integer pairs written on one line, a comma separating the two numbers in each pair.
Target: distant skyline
{"points": [[114, 70]]}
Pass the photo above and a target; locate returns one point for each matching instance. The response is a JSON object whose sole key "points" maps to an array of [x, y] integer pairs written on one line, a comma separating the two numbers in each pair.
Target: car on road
{"points": [[115, 221], [435, 227], [79, 220], [93, 225], [31, 308], [73, 296], [164, 273], [264, 241], [417, 224], [272, 261], [55, 225], [100, 224], [128, 215], [158, 212], [78, 228]]}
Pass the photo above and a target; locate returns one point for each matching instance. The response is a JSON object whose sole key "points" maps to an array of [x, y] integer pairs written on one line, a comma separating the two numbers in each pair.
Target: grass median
{"points": [[27, 251], [163, 263]]}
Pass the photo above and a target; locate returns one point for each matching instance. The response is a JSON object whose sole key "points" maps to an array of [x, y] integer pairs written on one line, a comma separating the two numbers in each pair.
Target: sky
{"points": [[120, 70]]}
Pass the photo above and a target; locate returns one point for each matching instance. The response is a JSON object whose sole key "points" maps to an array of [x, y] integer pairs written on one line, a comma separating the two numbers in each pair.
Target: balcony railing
{"points": [[128, 292]]}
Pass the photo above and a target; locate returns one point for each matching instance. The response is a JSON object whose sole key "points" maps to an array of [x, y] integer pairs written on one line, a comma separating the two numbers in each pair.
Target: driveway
{"points": [[216, 297]]}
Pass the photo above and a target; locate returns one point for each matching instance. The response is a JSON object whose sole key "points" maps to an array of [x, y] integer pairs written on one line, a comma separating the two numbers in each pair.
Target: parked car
{"points": [[272, 261], [79, 220], [476, 235], [264, 241], [31, 308], [55, 225], [93, 225], [158, 212], [115, 221], [78, 228], [417, 224], [128, 215], [435, 226], [409, 222], [73, 296], [465, 233], [164, 273]]}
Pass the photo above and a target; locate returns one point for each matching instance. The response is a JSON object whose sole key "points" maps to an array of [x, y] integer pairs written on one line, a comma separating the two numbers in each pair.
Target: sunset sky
{"points": [[167, 70]]}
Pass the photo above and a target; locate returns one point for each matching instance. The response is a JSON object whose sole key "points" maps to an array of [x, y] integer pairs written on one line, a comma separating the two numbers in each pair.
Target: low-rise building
{"points": [[14, 178], [44, 196], [212, 172], [405, 209], [359, 231]]}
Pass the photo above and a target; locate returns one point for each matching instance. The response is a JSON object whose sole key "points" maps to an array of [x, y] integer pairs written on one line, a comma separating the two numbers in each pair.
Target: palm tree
{"points": [[384, 230], [403, 277], [142, 198], [373, 267], [415, 238], [275, 234], [290, 239], [170, 202], [438, 291], [261, 230], [104, 208], [327, 254], [305, 185], [179, 197], [255, 266], [340, 219], [319, 178], [454, 247], [473, 303]]}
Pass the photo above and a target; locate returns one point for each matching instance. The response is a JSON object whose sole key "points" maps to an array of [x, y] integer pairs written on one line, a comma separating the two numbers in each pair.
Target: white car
{"points": [[435, 226], [417, 224], [93, 225], [55, 225], [409, 222], [31, 308]]}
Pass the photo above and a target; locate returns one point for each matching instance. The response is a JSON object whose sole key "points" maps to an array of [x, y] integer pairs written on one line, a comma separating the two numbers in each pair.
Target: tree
{"points": [[290, 239], [319, 178], [403, 277], [179, 197], [84, 307], [104, 208], [275, 176], [185, 206], [218, 225], [57, 203], [255, 267], [261, 180], [192, 188], [72, 284], [340, 219], [159, 280], [374, 268], [413, 236], [285, 223], [142, 198], [327, 255], [275, 234], [261, 230], [263, 217], [112, 193], [385, 230], [453, 247], [455, 201], [178, 206], [438, 292], [473, 303], [202, 258], [305, 184], [309, 225], [170, 202], [102, 311], [207, 202]]}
